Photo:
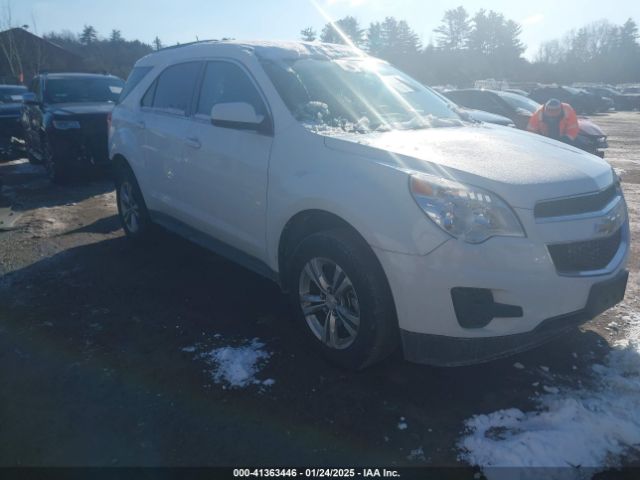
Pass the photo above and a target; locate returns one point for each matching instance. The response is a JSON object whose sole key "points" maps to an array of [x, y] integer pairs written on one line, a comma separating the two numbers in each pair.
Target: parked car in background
{"points": [[517, 91], [519, 109], [10, 124], [473, 114], [11, 93], [621, 101], [581, 101], [383, 214], [604, 103], [65, 121]]}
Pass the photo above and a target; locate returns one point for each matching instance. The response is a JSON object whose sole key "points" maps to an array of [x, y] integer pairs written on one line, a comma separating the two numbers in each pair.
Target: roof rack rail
{"points": [[180, 45], [88, 72]]}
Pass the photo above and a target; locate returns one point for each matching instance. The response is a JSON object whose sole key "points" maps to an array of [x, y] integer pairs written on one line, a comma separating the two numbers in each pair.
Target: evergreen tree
{"points": [[308, 34], [453, 33], [347, 26], [88, 35], [375, 41], [116, 36]]}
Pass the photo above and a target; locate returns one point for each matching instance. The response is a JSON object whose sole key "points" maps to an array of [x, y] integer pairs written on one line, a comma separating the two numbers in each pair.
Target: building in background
{"points": [[23, 55]]}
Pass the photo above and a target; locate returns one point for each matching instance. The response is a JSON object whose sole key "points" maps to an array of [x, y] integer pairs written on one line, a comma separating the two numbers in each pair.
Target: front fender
{"points": [[372, 197]]}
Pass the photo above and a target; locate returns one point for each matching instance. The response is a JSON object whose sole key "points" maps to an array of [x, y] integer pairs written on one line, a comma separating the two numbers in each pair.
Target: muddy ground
{"points": [[93, 371]]}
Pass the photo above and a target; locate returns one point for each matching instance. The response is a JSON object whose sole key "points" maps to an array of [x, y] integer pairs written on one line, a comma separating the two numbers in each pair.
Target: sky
{"points": [[187, 20]]}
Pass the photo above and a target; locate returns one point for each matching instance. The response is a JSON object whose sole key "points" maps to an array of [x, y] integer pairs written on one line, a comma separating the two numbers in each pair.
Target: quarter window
{"points": [[225, 82], [135, 77]]}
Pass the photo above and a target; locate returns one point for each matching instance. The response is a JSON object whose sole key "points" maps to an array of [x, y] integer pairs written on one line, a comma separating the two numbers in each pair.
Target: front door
{"points": [[226, 169]]}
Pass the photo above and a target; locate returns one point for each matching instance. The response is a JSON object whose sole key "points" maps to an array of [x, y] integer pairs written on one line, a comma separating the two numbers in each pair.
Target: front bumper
{"points": [[522, 278], [83, 147], [452, 351]]}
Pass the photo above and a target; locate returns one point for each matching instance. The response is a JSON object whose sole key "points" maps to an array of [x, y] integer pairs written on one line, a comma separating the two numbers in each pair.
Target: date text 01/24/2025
{"points": [[315, 472]]}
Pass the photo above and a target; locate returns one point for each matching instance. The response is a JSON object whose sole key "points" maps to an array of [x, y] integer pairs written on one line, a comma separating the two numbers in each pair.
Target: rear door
{"points": [[165, 110], [225, 172]]}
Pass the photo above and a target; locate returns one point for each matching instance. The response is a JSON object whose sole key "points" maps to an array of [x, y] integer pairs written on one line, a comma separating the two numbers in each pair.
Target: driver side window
{"points": [[225, 82]]}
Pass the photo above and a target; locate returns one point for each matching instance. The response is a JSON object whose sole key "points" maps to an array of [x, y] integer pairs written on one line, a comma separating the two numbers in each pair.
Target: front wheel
{"points": [[342, 300]]}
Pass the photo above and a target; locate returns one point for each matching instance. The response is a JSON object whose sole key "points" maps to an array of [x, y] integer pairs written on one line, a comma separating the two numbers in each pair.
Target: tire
{"points": [[57, 171], [132, 210], [358, 291]]}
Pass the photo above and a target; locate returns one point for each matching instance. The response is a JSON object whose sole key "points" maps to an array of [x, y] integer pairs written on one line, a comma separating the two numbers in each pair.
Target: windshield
{"points": [[6, 93], [83, 90], [518, 101], [356, 95]]}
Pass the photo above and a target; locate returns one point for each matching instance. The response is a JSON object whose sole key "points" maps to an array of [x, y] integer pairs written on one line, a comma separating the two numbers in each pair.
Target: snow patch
{"points": [[237, 367], [417, 454], [402, 424], [577, 427]]}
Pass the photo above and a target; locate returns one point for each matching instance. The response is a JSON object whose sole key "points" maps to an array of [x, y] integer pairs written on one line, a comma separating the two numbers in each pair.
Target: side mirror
{"points": [[241, 116], [30, 98]]}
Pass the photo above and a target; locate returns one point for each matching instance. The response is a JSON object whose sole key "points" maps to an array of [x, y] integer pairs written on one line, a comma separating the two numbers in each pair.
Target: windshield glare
{"points": [[356, 95], [83, 90]]}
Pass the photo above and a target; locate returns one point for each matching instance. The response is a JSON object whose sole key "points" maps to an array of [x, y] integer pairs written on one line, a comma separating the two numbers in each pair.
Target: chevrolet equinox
{"points": [[387, 217]]}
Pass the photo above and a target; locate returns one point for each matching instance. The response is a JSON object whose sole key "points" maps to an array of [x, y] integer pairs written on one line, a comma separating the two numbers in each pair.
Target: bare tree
{"points": [[8, 41]]}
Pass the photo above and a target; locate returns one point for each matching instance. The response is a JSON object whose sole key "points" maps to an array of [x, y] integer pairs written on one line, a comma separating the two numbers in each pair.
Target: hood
{"points": [[80, 108], [521, 167], [587, 127]]}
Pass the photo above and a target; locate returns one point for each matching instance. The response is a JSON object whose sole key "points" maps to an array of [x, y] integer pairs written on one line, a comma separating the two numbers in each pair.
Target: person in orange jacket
{"points": [[555, 120]]}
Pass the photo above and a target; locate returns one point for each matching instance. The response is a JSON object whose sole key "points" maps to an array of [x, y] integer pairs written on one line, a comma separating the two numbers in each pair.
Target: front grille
{"points": [[592, 202], [585, 256]]}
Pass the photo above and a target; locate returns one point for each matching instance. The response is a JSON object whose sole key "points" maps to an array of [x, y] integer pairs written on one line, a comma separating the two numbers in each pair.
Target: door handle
{"points": [[194, 142], [141, 124]]}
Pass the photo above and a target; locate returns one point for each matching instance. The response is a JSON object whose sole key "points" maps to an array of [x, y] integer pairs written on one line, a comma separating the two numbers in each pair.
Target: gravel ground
{"points": [[108, 351]]}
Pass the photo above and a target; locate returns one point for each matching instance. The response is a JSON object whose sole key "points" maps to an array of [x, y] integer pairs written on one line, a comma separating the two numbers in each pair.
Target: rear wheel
{"points": [[341, 299], [132, 210]]}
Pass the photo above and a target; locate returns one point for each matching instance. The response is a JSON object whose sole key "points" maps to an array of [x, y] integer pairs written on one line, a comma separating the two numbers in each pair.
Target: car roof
{"points": [[266, 50]]}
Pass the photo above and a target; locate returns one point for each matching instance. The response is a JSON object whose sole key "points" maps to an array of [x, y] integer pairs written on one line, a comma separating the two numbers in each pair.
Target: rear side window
{"points": [[225, 82], [135, 77], [173, 89]]}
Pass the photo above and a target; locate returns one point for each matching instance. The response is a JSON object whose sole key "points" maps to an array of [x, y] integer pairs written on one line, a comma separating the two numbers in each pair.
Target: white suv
{"points": [[385, 215]]}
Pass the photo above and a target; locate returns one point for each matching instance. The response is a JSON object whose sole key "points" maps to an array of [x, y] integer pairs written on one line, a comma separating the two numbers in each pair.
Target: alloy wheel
{"points": [[329, 303], [129, 208]]}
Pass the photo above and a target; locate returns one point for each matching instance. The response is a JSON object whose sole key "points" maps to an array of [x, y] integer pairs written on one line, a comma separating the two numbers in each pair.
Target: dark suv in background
{"points": [[583, 102], [10, 126], [65, 121]]}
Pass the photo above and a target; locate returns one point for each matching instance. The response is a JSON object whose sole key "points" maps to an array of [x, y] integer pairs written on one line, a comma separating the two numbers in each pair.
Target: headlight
{"points": [[66, 124], [464, 211]]}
